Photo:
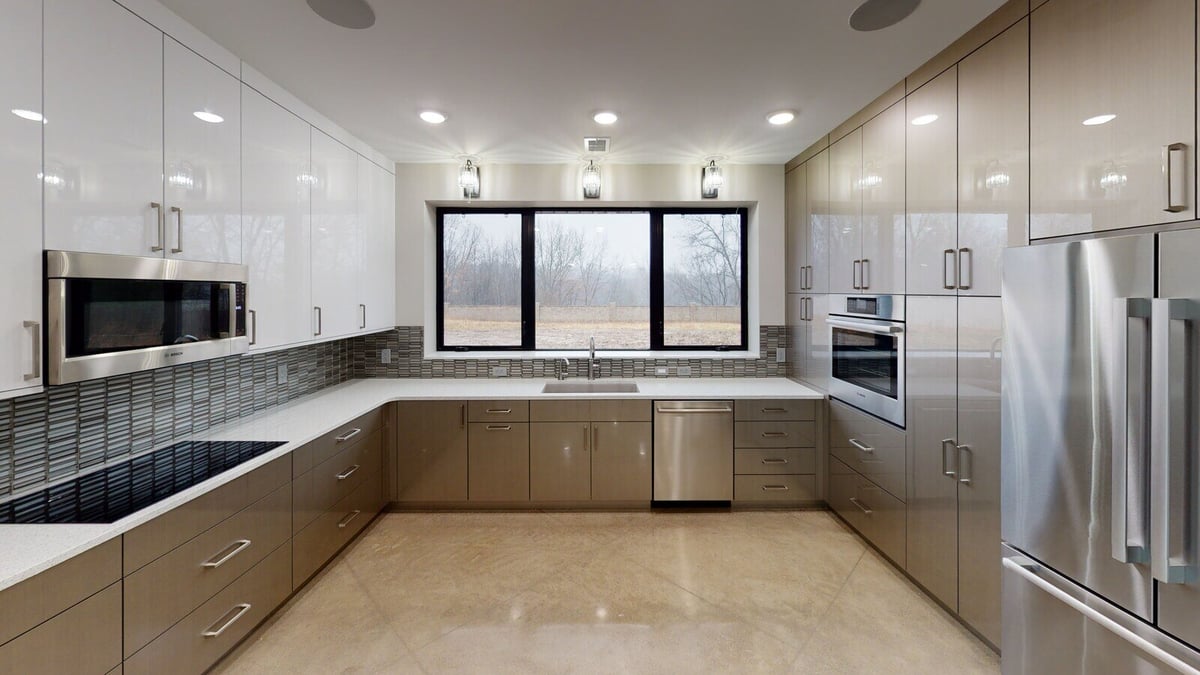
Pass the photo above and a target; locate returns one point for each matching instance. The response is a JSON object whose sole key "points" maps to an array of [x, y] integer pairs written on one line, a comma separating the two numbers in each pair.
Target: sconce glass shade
{"points": [[591, 181], [711, 180], [468, 180]]}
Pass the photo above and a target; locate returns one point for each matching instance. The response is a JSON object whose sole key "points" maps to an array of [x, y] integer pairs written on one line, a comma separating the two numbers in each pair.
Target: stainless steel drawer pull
{"points": [[966, 268], [774, 460], [499, 427], [37, 350], [774, 434], [348, 472], [949, 269], [348, 435], [866, 273], [228, 620], [317, 312], [178, 229], [858, 444], [774, 410], [775, 488], [499, 411], [228, 553], [861, 507], [363, 309], [1168, 173], [857, 274], [349, 517]]}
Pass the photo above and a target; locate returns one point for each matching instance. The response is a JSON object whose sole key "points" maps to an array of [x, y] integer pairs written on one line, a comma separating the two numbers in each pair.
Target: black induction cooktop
{"points": [[110, 494]]}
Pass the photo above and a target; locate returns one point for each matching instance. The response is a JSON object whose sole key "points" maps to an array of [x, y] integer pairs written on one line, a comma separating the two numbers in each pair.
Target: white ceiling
{"points": [[520, 79]]}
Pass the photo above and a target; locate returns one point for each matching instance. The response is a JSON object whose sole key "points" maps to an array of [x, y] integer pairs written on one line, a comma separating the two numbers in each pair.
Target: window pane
{"points": [[481, 263], [702, 279], [592, 274]]}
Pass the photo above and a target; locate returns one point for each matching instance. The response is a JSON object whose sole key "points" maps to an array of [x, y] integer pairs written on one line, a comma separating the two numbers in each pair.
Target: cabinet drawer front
{"points": [[332, 480], [773, 410], [774, 434], [782, 461], [320, 450], [622, 411], [774, 488], [190, 646], [197, 570], [36, 599], [558, 411], [883, 465], [877, 515], [166, 532], [313, 546], [870, 447], [846, 423], [498, 411], [498, 462], [84, 639]]}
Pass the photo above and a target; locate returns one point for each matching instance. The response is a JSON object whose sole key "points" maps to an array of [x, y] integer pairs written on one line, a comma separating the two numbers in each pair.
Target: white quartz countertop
{"points": [[26, 550]]}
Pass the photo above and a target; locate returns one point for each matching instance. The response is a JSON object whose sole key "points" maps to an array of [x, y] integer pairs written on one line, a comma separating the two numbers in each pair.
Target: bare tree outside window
{"points": [[481, 284], [702, 279]]}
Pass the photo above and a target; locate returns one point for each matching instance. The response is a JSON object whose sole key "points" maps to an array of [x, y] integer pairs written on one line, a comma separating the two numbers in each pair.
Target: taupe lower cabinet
{"points": [[775, 453], [431, 451], [599, 451], [954, 448]]}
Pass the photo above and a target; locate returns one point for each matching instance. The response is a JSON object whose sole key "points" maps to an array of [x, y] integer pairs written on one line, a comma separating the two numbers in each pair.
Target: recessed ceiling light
{"points": [[879, 14], [29, 115], [433, 116], [355, 14], [922, 120], [605, 117], [781, 117], [205, 116], [1098, 120]]}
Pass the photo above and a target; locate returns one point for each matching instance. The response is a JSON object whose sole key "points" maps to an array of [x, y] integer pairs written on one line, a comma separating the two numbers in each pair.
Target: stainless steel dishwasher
{"points": [[693, 451]]}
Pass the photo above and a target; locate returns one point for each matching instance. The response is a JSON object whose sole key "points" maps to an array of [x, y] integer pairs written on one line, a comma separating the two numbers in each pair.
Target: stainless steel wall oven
{"points": [[867, 344]]}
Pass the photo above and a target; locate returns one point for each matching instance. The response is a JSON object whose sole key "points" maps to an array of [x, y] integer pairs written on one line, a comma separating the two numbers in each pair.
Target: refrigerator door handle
{"points": [[1130, 501], [1172, 511]]}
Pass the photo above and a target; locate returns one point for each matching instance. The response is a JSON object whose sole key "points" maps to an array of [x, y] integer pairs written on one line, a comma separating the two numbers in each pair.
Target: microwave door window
{"points": [[868, 360], [109, 315]]}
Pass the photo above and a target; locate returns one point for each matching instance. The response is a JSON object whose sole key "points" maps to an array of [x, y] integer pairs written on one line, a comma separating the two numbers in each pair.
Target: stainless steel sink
{"points": [[590, 388]]}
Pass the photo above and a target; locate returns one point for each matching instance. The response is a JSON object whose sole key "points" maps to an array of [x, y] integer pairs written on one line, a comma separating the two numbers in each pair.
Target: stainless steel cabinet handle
{"points": [[229, 552], [774, 410], [36, 372], [949, 277], [861, 507], [809, 303], [857, 274], [499, 411], [253, 326], [866, 327], [462, 420], [774, 434], [159, 221], [588, 439], [317, 311], [1168, 172], [692, 411], [227, 620], [348, 435], [499, 427], [1130, 406], [1172, 554], [964, 464], [178, 229], [349, 517], [348, 472], [866, 273], [775, 488], [966, 269], [363, 309], [949, 449], [774, 460], [809, 277], [861, 446]]}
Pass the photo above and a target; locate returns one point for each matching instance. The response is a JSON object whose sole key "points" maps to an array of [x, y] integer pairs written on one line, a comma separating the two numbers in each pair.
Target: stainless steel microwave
{"points": [[867, 341], [113, 314]]}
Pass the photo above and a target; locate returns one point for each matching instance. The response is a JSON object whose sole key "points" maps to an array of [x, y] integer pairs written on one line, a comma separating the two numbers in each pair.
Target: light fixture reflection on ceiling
{"points": [[781, 117], [205, 116], [1099, 119], [591, 181], [711, 180], [468, 180], [605, 117], [31, 115], [433, 116], [922, 120]]}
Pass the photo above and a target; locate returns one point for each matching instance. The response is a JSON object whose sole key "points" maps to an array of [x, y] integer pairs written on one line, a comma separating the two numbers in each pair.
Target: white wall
{"points": [[421, 188]]}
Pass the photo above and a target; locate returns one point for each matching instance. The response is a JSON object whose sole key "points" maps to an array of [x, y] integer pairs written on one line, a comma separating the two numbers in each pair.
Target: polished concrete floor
{"points": [[610, 593]]}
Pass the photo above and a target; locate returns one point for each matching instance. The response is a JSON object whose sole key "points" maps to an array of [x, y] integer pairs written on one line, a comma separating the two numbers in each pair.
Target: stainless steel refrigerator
{"points": [[1101, 456]]}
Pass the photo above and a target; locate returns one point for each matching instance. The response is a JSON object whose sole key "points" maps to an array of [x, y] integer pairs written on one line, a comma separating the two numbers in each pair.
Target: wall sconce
{"points": [[711, 180], [468, 180], [591, 181]]}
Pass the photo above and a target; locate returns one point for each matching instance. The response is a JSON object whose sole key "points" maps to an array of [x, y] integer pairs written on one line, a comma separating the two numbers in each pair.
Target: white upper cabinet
{"points": [[377, 220], [203, 135], [20, 190], [993, 156], [275, 222], [337, 242], [104, 129], [795, 205], [882, 190], [817, 215], [932, 185], [1113, 115], [845, 213]]}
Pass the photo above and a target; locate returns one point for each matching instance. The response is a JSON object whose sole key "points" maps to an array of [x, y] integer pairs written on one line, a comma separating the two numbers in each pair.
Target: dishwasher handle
{"points": [[690, 411]]}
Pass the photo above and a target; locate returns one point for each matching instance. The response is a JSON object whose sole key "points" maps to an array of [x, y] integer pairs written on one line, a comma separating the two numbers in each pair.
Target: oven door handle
{"points": [[866, 327]]}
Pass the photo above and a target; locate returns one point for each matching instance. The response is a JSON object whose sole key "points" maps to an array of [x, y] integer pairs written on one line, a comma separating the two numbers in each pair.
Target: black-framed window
{"points": [[632, 278]]}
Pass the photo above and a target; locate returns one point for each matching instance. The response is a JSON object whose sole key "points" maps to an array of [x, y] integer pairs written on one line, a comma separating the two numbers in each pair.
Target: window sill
{"points": [[583, 354]]}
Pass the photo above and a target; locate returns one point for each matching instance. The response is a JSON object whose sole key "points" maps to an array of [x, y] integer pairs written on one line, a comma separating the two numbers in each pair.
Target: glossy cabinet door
{"points": [[1136, 62], [979, 357], [560, 466], [377, 220], [622, 461], [845, 213], [202, 160], [932, 410], [883, 202], [818, 363], [336, 238], [795, 207], [275, 222], [431, 451], [817, 213], [993, 157], [796, 311], [498, 462], [20, 186], [103, 74], [931, 165]]}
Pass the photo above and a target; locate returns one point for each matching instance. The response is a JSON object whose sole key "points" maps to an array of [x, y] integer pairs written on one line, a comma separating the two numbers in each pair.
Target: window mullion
{"points": [[656, 279], [528, 288]]}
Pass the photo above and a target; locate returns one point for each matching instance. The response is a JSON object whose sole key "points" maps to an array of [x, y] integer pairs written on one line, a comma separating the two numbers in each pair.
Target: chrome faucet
{"points": [[592, 358], [562, 368]]}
